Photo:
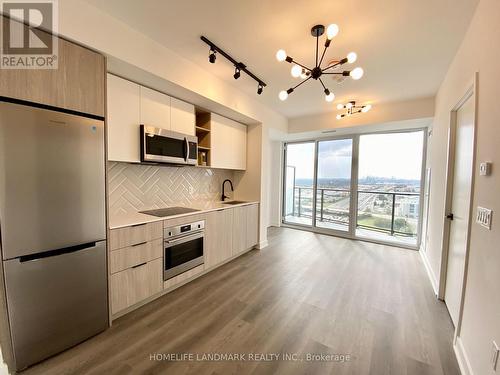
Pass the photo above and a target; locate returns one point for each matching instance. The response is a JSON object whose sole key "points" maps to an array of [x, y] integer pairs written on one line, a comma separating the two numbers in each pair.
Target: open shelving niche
{"points": [[203, 120]]}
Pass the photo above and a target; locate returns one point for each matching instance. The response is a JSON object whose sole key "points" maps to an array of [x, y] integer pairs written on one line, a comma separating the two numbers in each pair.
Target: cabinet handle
{"points": [[139, 265], [140, 243], [137, 225]]}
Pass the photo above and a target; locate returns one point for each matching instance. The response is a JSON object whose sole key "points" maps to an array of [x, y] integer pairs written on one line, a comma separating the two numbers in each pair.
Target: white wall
{"points": [[88, 25], [275, 182], [479, 52], [380, 113]]}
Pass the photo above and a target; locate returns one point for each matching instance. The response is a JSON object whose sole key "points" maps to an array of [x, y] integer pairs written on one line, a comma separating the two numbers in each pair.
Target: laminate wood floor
{"points": [[305, 293]]}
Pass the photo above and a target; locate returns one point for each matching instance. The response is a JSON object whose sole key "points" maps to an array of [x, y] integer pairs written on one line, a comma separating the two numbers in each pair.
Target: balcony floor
{"points": [[361, 233]]}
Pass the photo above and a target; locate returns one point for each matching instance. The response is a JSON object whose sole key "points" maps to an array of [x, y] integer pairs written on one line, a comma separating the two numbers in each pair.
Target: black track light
{"points": [[212, 56], [238, 65], [236, 73]]}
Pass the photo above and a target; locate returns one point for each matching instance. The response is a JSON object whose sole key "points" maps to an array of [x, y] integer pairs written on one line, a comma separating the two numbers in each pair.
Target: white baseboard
{"points": [[430, 274], [462, 359], [262, 245]]}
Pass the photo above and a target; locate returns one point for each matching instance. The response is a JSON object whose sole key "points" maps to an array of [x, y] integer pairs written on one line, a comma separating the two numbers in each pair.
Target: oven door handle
{"points": [[177, 241]]}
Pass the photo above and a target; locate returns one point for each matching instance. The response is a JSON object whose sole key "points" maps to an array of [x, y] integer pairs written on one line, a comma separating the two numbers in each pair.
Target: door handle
{"points": [[449, 216], [187, 149], [194, 236]]}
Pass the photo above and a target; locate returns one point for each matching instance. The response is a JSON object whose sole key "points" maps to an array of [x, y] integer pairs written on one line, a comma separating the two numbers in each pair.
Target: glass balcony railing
{"points": [[393, 213], [390, 213], [332, 207]]}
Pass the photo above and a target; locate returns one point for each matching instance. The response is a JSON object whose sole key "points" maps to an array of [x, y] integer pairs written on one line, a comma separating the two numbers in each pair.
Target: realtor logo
{"points": [[28, 29]]}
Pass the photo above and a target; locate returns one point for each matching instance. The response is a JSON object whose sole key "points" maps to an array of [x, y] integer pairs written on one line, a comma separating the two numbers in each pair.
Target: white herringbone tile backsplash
{"points": [[135, 187]]}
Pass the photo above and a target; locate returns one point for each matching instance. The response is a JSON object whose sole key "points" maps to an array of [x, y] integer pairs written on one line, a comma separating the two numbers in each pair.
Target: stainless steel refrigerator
{"points": [[53, 229]]}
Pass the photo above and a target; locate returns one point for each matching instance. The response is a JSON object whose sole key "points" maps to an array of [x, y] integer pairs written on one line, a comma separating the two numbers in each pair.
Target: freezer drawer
{"points": [[55, 302]]}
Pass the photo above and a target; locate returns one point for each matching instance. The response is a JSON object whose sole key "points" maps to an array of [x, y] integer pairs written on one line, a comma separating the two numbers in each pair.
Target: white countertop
{"points": [[135, 218]]}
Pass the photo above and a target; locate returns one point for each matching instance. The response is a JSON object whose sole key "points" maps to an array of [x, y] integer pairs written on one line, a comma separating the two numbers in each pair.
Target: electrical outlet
{"points": [[483, 217], [494, 355]]}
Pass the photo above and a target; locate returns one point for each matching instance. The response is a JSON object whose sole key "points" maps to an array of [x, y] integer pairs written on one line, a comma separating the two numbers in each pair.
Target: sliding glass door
{"points": [[333, 191], [366, 186], [318, 179]]}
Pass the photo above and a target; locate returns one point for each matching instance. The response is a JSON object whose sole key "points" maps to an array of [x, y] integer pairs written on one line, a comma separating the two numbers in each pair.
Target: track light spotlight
{"points": [[212, 56], [260, 88], [236, 73]]}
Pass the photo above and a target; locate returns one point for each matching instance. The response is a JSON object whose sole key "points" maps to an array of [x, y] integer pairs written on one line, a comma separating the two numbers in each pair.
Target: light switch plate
{"points": [[485, 168], [494, 355], [483, 217]]}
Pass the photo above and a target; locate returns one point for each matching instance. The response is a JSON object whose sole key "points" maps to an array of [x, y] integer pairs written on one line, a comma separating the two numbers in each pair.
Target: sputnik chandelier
{"points": [[351, 108], [305, 73]]}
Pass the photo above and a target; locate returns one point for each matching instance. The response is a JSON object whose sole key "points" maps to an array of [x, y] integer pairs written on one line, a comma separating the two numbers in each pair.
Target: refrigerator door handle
{"points": [[56, 252]]}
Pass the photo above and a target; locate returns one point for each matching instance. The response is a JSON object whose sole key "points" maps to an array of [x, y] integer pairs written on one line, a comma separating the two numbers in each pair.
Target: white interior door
{"points": [[460, 207]]}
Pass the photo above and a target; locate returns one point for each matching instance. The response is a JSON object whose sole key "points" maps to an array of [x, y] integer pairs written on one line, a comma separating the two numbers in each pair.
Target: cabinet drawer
{"points": [[128, 257], [129, 236], [136, 284]]}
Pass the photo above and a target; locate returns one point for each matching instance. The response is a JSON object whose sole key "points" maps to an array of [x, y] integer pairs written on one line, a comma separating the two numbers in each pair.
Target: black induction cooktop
{"points": [[169, 211]]}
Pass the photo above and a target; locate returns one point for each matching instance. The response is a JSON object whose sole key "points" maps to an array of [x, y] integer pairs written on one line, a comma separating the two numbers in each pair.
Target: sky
{"points": [[397, 155]]}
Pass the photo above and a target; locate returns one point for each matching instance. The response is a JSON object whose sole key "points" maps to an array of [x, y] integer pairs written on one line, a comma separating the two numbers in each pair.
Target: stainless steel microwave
{"points": [[165, 146]]}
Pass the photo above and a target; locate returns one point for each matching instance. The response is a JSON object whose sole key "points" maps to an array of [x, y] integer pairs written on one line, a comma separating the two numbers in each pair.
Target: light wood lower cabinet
{"points": [[245, 228], [136, 253], [252, 235], [239, 229], [136, 284], [218, 236]]}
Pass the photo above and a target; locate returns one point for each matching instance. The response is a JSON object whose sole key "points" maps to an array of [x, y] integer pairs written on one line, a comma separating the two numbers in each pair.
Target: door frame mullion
{"points": [[315, 184], [353, 210]]}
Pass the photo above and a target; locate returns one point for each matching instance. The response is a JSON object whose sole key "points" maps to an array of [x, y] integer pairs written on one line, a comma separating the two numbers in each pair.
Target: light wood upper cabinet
{"points": [[182, 117], [228, 143], [218, 237], [155, 108], [123, 120], [77, 84]]}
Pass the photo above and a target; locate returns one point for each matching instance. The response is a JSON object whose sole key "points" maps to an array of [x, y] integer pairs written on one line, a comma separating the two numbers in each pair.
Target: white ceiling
{"points": [[404, 46]]}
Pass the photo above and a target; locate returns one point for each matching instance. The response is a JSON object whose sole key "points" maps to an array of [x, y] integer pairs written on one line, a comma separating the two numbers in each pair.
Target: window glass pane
{"points": [[299, 170], [389, 174]]}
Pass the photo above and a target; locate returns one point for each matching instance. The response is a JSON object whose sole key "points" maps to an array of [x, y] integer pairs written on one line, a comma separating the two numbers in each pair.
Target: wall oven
{"points": [[165, 146], [183, 248]]}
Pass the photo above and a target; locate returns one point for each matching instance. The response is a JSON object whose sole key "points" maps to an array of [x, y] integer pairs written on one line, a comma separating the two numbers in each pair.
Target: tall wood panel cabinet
{"points": [[77, 84]]}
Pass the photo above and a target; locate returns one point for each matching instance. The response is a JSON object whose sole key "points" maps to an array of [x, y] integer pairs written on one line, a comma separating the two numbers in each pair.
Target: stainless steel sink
{"points": [[234, 202]]}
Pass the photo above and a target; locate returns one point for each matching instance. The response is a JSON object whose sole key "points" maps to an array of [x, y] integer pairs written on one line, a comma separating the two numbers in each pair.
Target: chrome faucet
{"points": [[224, 196]]}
